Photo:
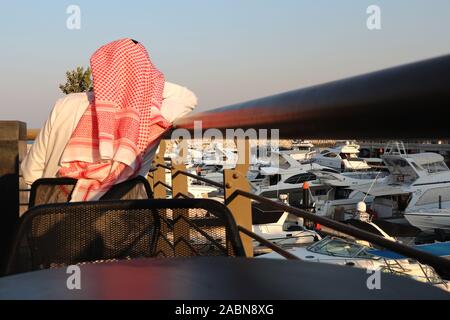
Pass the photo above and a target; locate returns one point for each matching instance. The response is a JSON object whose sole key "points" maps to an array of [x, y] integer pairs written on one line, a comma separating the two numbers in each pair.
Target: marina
{"points": [[394, 193], [230, 152]]}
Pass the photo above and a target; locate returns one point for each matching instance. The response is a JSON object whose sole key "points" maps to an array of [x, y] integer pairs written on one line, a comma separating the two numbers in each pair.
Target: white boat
{"points": [[430, 220], [333, 250], [208, 163], [343, 157], [325, 184], [287, 176], [288, 230], [301, 150], [417, 183], [360, 255], [349, 179], [281, 167], [341, 197]]}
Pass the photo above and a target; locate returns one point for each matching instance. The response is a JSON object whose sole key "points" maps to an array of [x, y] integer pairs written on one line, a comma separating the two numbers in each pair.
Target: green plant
{"points": [[78, 80]]}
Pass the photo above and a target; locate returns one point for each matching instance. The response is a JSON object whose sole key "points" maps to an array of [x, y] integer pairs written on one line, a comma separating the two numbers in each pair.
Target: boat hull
{"points": [[427, 221]]}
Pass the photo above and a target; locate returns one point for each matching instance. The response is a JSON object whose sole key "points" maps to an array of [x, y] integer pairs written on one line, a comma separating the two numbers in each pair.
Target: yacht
{"points": [[340, 197], [301, 150], [214, 159], [324, 184], [360, 254], [285, 175], [343, 157], [417, 183]]}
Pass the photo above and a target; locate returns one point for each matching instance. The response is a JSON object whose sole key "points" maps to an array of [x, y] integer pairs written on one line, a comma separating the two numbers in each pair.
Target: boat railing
{"points": [[425, 273], [431, 276]]}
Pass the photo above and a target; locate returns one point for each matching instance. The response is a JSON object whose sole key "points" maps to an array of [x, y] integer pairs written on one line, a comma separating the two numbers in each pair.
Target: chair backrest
{"points": [[196, 227], [56, 235], [51, 190], [58, 190], [62, 234]]}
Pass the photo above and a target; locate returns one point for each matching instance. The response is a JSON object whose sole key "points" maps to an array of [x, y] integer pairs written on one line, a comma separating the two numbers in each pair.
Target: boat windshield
{"points": [[401, 169], [282, 163], [340, 248], [349, 156], [435, 167]]}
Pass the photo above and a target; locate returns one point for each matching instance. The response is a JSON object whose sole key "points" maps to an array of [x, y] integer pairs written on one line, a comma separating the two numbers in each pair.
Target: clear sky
{"points": [[226, 51]]}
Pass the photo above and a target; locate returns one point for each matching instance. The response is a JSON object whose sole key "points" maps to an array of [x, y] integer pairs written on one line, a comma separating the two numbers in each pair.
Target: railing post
{"points": [[159, 175], [240, 207], [180, 190], [179, 181]]}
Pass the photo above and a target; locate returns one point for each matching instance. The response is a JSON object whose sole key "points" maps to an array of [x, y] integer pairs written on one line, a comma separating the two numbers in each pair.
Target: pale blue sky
{"points": [[226, 51]]}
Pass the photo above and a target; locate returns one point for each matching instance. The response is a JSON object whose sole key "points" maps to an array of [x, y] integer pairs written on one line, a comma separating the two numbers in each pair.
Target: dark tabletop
{"points": [[213, 278]]}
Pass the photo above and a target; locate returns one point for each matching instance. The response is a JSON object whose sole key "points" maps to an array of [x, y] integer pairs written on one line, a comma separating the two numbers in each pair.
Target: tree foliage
{"points": [[77, 80]]}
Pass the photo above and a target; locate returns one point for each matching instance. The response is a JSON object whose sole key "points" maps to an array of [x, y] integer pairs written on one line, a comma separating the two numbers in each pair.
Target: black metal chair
{"points": [[56, 235], [58, 190]]}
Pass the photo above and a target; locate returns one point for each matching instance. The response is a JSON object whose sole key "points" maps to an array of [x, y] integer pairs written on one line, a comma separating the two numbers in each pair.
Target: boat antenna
{"points": [[371, 186]]}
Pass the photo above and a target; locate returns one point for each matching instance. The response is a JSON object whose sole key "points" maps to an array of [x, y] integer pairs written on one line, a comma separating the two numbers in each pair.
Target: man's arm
{"points": [[34, 162], [177, 101]]}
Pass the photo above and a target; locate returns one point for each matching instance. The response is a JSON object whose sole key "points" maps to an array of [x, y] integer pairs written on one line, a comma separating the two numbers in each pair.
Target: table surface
{"points": [[213, 278]]}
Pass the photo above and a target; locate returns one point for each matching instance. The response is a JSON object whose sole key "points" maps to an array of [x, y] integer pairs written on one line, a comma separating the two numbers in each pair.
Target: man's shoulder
{"points": [[78, 97], [73, 100]]}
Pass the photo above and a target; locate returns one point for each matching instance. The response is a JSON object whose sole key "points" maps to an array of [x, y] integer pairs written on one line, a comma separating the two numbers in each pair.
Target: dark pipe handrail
{"points": [[208, 181], [441, 265], [268, 244], [164, 184], [404, 102]]}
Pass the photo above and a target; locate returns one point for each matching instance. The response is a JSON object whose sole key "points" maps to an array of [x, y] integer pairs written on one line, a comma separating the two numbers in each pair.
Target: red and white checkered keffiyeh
{"points": [[124, 119]]}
